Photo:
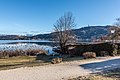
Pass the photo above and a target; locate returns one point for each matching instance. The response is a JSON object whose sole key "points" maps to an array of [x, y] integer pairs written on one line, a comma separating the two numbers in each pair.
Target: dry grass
{"points": [[11, 50], [30, 61], [114, 73], [20, 61], [94, 77], [99, 77], [16, 60], [106, 75]]}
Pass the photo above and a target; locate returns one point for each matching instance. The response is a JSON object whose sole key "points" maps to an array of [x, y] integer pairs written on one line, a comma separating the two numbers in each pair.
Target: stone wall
{"points": [[80, 49]]}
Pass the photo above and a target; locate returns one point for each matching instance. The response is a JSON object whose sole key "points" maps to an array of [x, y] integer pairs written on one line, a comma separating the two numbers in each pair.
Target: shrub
{"points": [[103, 53], [89, 55], [56, 60], [118, 52], [115, 50], [114, 53]]}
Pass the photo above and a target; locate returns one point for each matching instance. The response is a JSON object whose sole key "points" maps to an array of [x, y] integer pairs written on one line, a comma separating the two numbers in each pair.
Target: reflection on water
{"points": [[25, 45]]}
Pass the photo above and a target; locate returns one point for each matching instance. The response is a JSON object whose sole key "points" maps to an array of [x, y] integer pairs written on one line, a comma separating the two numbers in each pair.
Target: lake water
{"points": [[25, 44], [15, 41]]}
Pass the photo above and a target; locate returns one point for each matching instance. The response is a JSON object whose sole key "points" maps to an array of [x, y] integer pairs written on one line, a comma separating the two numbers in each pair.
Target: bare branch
{"points": [[63, 28]]}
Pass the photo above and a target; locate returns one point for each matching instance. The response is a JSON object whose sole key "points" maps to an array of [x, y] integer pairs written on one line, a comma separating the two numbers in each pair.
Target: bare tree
{"points": [[62, 28], [118, 22], [114, 31]]}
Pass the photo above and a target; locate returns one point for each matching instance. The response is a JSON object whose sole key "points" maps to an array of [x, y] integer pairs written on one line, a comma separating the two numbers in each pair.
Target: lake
{"points": [[25, 44], [16, 41]]}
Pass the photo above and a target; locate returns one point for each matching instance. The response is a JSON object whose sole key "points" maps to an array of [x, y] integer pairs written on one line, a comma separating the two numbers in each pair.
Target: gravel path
{"points": [[61, 71]]}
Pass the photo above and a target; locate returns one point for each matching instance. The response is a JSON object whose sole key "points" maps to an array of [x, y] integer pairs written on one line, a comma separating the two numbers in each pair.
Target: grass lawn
{"points": [[30, 61], [20, 61]]}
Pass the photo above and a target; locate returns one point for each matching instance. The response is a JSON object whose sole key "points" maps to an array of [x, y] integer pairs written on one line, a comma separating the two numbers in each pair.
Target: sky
{"points": [[38, 16]]}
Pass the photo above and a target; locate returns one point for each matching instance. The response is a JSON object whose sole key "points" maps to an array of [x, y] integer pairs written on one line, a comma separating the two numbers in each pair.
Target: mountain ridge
{"points": [[84, 33]]}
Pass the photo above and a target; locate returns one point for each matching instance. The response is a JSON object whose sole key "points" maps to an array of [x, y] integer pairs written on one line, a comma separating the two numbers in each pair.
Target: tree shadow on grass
{"points": [[44, 57]]}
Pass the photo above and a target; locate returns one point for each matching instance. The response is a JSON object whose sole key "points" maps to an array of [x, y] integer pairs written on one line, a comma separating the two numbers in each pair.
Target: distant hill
{"points": [[91, 32], [13, 37], [84, 33]]}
